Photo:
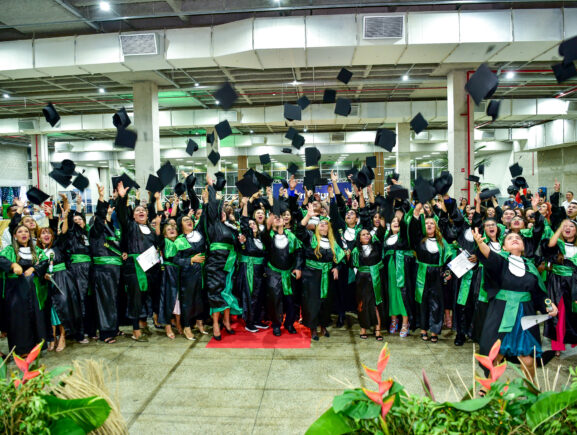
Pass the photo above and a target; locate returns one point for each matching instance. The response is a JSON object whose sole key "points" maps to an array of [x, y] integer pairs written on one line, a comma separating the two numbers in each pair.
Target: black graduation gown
{"points": [[27, 324], [169, 281]]}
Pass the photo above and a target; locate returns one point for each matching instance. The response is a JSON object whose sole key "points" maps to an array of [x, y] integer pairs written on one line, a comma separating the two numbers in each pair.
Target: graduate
{"points": [[170, 279]]}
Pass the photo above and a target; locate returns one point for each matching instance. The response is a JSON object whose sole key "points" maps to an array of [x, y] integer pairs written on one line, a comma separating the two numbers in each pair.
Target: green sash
{"points": [[465, 288], [483, 296], [375, 271], [140, 273], [80, 258], [250, 262], [324, 268], [114, 261], [444, 254], [170, 263], [58, 267], [231, 259], [286, 279], [112, 248], [396, 280], [513, 299]]}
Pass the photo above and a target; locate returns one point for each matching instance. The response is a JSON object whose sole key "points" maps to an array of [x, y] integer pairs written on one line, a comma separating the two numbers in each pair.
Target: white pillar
{"points": [[40, 162], [403, 154], [147, 151], [461, 148], [105, 181], [210, 168]]}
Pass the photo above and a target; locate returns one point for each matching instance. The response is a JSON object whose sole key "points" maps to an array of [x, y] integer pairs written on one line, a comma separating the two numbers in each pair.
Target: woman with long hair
{"points": [[26, 297], [169, 304], [519, 292], [322, 262], [531, 236]]}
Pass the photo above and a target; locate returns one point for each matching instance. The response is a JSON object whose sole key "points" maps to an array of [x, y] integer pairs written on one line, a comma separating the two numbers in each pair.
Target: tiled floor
{"points": [[170, 386]]}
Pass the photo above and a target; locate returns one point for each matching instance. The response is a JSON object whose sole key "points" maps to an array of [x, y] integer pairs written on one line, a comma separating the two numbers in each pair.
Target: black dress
{"points": [[169, 280]]}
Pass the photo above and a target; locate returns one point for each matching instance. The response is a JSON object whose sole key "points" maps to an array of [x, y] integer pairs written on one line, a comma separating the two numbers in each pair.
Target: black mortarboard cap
{"points": [[264, 179], [264, 159], [371, 161], [343, 107], [129, 182], [473, 178], [344, 76], [220, 181], [66, 166], [397, 191], [321, 181], [303, 102], [568, 49], [154, 184], [291, 133], [223, 129], [214, 157], [520, 182], [486, 194], [179, 188], [515, 170], [287, 150], [210, 138], [298, 141], [166, 173], [36, 196], [352, 171], [81, 182], [425, 190], [246, 186], [284, 183], [292, 112], [364, 177], [312, 156], [512, 190], [51, 115], [386, 139], [481, 169], [329, 96], [226, 96], [276, 208], [125, 138], [394, 176], [250, 173], [443, 183], [309, 182], [493, 109], [482, 83], [292, 169], [419, 123], [564, 71], [190, 181], [191, 146], [61, 178], [115, 181], [121, 119]]}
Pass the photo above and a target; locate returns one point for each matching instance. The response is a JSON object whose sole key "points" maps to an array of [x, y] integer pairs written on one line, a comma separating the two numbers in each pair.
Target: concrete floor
{"points": [[170, 386]]}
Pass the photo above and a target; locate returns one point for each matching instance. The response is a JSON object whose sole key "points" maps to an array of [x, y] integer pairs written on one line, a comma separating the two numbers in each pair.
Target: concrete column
{"points": [[380, 174], [461, 148], [210, 168], [403, 154], [40, 162], [147, 155], [104, 175], [242, 164]]}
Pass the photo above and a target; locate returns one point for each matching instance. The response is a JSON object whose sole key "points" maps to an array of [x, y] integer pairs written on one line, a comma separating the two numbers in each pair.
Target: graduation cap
{"points": [[220, 181], [394, 176], [568, 49], [66, 166], [473, 178], [226, 96], [419, 123], [298, 141], [364, 177], [166, 173], [489, 193], [214, 157], [424, 189], [343, 107], [309, 182], [287, 150], [81, 182], [520, 182], [154, 184], [223, 129], [115, 181], [61, 178], [36, 196], [284, 183], [482, 84], [264, 159], [352, 171], [251, 173], [564, 71], [210, 138], [179, 188], [125, 138], [247, 187], [292, 112], [493, 109], [398, 192], [482, 169], [291, 133], [128, 182], [443, 183], [191, 147], [386, 139], [381, 201], [276, 206], [303, 102], [51, 115], [344, 76], [512, 190], [371, 161], [264, 180], [329, 96], [292, 169], [121, 119], [321, 181], [515, 170], [312, 156], [190, 181]]}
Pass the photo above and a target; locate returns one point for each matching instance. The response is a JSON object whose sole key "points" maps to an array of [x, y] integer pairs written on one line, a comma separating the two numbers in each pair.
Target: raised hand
{"points": [[100, 192], [477, 236], [334, 176], [557, 186]]}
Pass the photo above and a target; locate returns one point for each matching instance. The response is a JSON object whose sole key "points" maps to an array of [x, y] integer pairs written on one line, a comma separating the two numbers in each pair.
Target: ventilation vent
{"points": [[27, 124], [139, 44], [355, 108], [338, 137], [424, 135], [383, 27], [488, 134], [481, 108], [572, 107], [258, 140]]}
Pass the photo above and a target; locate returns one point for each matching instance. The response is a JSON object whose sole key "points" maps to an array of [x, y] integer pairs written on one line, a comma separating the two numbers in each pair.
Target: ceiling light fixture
{"points": [[196, 84], [510, 75], [305, 130], [102, 90], [216, 102], [6, 96], [104, 6], [405, 77], [295, 83], [252, 131]]}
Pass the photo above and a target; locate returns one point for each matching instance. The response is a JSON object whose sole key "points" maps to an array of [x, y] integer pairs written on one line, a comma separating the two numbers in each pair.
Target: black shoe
{"points": [[459, 340], [251, 328], [230, 331], [340, 321], [315, 337], [326, 334], [261, 325], [217, 337], [276, 331], [291, 329]]}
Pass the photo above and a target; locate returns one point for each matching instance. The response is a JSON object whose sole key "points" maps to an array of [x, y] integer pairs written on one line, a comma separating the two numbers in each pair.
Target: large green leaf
{"points": [[65, 426], [89, 412], [470, 405], [331, 423], [355, 404], [548, 405]]}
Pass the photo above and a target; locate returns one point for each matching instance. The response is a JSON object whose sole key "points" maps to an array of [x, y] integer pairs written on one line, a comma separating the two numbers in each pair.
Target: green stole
{"points": [[562, 270], [294, 244], [226, 294], [324, 267], [374, 271], [40, 287]]}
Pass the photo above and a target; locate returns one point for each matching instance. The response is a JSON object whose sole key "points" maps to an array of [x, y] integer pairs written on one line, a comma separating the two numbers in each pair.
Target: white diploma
{"points": [[148, 258], [461, 264]]}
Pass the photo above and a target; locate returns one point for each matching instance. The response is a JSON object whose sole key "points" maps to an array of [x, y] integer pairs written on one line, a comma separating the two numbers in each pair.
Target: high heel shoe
{"points": [[217, 337], [230, 331]]}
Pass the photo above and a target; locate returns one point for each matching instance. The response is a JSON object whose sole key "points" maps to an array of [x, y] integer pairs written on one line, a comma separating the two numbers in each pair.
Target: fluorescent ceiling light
{"points": [[104, 6]]}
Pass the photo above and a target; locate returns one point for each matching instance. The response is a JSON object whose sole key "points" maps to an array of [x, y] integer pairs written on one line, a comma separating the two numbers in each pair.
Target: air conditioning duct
{"points": [[337, 137], [27, 124], [383, 27], [139, 44], [355, 110]]}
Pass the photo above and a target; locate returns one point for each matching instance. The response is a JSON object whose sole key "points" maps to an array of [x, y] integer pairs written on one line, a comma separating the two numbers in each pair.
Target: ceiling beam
{"points": [[78, 14]]}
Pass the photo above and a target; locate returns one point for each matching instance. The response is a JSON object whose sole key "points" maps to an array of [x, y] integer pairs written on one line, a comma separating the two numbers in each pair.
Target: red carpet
{"points": [[264, 339]]}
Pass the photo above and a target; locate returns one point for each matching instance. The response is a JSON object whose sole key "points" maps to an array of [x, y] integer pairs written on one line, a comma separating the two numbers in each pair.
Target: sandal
{"points": [[404, 331], [140, 339], [434, 338], [110, 340], [50, 347], [424, 336], [378, 337], [363, 336], [61, 344], [394, 326]]}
